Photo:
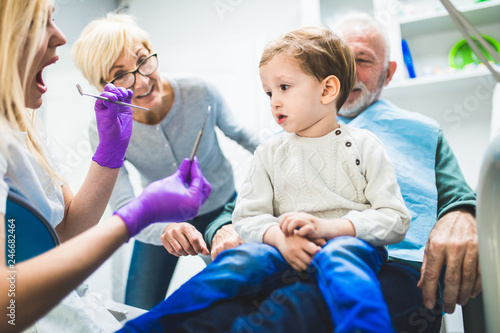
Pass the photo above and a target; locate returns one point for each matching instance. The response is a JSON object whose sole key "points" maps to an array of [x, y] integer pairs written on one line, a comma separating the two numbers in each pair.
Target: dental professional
{"points": [[44, 298], [115, 49]]}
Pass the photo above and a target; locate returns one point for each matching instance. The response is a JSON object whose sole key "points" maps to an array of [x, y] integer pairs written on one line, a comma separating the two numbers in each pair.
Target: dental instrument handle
{"points": [[200, 133], [117, 102], [197, 143]]}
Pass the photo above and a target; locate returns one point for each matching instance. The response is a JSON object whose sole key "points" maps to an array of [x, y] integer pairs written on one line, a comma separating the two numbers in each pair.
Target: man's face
{"points": [[369, 52]]}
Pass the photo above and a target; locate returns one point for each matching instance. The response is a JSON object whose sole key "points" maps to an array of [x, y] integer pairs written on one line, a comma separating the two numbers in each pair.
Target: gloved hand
{"points": [[168, 199], [114, 125]]}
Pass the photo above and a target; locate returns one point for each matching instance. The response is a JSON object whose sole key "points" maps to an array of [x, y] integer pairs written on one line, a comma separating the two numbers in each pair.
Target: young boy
{"points": [[316, 182], [319, 180]]}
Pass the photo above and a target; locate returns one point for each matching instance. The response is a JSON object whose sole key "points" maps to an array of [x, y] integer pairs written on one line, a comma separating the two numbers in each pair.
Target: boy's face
{"points": [[296, 98]]}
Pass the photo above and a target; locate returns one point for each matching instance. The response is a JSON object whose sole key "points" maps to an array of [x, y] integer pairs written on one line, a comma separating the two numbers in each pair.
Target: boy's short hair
{"points": [[319, 53], [103, 41]]}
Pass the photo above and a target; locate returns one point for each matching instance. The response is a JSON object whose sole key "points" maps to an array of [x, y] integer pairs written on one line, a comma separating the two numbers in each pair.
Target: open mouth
{"points": [[281, 118], [147, 93], [39, 82], [39, 78]]}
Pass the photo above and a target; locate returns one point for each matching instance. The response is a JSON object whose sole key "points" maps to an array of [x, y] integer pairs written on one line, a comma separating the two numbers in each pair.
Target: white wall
{"points": [[223, 41]]}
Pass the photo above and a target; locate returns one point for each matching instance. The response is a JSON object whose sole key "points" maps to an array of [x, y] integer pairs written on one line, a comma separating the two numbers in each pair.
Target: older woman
{"points": [[29, 37], [115, 49]]}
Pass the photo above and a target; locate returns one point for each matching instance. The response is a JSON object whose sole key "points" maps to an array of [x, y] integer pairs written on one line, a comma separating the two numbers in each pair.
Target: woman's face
{"points": [[45, 56], [147, 89]]}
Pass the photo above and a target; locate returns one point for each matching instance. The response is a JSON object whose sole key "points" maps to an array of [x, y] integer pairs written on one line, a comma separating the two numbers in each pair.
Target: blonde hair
{"points": [[22, 27], [103, 41], [319, 53]]}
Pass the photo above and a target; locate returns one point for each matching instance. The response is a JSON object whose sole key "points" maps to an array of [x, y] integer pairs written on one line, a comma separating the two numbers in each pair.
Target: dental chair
{"points": [[27, 233], [488, 225], [33, 235]]}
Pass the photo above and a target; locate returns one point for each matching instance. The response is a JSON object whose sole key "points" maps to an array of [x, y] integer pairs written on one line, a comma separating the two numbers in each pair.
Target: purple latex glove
{"points": [[168, 199], [114, 125]]}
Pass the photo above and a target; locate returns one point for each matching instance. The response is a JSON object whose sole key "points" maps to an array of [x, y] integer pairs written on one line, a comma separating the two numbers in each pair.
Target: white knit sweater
{"points": [[344, 174]]}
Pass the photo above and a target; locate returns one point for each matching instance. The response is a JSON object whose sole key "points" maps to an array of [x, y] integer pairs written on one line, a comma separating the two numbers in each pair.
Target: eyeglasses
{"points": [[126, 80]]}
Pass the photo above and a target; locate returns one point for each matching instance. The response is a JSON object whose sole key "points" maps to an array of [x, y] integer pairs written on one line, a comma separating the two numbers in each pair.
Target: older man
{"points": [[452, 240], [442, 232]]}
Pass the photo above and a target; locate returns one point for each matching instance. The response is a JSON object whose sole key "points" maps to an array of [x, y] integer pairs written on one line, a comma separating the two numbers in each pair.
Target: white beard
{"points": [[364, 100]]}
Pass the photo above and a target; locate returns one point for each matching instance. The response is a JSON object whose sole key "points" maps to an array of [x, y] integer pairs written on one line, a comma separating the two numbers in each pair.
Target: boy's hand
{"points": [[319, 241], [303, 224], [315, 228], [298, 251]]}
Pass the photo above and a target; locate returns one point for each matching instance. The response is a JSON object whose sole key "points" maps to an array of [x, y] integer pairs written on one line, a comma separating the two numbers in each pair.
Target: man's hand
{"points": [[225, 238], [452, 242], [182, 239]]}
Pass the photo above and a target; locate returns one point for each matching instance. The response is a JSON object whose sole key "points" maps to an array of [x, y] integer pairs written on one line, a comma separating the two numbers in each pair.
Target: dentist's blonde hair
{"points": [[22, 29], [101, 44]]}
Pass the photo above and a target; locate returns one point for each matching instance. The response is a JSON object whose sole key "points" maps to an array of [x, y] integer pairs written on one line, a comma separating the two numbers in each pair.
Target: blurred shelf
{"points": [[481, 13], [450, 80]]}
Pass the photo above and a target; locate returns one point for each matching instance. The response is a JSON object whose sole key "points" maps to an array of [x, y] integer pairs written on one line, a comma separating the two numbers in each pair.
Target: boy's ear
{"points": [[331, 89]]}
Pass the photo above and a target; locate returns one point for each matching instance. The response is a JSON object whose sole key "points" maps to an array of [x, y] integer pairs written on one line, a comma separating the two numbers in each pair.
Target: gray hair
{"points": [[363, 21]]}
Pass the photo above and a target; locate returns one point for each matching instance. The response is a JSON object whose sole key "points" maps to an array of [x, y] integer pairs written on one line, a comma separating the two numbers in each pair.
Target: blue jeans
{"points": [[302, 308], [246, 276], [399, 280], [152, 267]]}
